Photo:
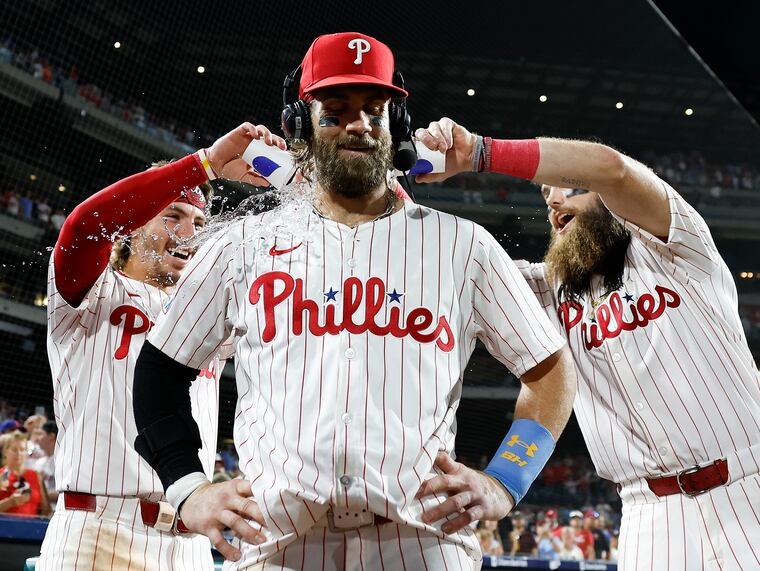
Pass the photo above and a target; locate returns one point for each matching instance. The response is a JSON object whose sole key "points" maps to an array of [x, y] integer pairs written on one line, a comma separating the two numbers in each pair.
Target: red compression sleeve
{"points": [[84, 245], [515, 158]]}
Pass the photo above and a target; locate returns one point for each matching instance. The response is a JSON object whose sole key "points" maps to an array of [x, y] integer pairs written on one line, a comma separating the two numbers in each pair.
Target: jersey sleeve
{"points": [[199, 319], [688, 250], [61, 315], [507, 315]]}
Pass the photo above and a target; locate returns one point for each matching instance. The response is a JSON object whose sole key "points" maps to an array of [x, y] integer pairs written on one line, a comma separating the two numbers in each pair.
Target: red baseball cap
{"points": [[348, 58], [551, 513]]}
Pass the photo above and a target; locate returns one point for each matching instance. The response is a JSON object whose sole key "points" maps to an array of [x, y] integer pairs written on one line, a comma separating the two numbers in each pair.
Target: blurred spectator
{"points": [[45, 466], [488, 538], [26, 206], [546, 548], [11, 205], [220, 473], [9, 425], [522, 540], [496, 546], [21, 490], [584, 539], [57, 220], [33, 428], [597, 525], [43, 212], [568, 550], [552, 519], [614, 547]]}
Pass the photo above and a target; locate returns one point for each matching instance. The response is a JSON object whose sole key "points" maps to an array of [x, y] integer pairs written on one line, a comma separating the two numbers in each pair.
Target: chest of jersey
{"points": [[358, 281]]}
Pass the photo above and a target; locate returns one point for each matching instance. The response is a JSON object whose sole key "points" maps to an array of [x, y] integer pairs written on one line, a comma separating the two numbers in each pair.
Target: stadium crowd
{"points": [[66, 77]]}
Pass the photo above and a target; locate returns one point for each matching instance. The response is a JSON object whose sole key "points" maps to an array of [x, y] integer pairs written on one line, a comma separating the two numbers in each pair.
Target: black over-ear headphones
{"points": [[296, 122]]}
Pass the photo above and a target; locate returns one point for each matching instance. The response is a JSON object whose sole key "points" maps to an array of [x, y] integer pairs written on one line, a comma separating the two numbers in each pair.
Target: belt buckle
{"points": [[368, 517], [165, 518], [686, 472]]}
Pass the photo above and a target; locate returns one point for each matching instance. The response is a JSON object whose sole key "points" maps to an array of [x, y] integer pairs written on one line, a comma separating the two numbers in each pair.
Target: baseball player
{"points": [[352, 339], [112, 513], [669, 398]]}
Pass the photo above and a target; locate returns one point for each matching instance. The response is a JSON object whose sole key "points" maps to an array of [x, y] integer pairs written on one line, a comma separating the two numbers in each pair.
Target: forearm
{"points": [[7, 504], [543, 408], [627, 187], [84, 245], [548, 391], [168, 437]]}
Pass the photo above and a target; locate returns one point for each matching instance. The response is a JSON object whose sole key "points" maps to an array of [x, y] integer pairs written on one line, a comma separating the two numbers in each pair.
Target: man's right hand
{"points": [[447, 137], [225, 155], [211, 508]]}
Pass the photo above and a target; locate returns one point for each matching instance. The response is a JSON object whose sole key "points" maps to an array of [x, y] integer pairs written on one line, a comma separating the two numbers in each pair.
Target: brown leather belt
{"points": [[150, 511], [692, 481]]}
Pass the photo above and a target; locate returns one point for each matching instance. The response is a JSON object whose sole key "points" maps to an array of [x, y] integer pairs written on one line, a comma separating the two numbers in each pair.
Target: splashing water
{"points": [[289, 215]]}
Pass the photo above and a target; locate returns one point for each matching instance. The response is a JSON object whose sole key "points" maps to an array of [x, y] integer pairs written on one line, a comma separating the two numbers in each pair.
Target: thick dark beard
{"points": [[356, 176], [595, 246]]}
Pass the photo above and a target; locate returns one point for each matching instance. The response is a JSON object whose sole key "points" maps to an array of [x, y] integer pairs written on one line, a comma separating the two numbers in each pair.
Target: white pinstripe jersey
{"points": [[92, 351], [351, 350], [666, 380]]}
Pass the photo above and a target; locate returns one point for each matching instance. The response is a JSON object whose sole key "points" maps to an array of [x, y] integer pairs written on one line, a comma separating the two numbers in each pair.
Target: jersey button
{"points": [[639, 406], [350, 353], [351, 263], [345, 480], [616, 357], [346, 418], [664, 450]]}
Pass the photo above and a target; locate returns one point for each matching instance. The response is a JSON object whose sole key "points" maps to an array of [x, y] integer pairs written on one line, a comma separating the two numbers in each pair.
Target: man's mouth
{"points": [[563, 220], [364, 150], [180, 253]]}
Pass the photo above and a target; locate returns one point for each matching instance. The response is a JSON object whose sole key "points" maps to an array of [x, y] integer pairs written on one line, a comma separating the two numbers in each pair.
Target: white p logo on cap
{"points": [[361, 46]]}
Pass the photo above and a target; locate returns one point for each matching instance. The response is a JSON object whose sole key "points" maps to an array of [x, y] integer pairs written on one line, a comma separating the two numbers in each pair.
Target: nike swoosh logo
{"points": [[275, 252]]}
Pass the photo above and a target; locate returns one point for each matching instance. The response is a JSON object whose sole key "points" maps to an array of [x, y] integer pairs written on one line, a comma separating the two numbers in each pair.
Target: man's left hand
{"points": [[473, 494]]}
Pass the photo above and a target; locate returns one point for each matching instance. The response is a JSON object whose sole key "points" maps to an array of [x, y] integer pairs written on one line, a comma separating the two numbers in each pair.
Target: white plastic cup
{"points": [[272, 163], [427, 161]]}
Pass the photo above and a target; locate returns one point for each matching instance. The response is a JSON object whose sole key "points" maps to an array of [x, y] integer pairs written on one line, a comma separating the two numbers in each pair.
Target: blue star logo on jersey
{"points": [[628, 297], [168, 303], [330, 295], [394, 296]]}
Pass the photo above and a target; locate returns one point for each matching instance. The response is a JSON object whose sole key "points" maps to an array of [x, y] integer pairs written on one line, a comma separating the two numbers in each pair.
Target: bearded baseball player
{"points": [[113, 514], [669, 398], [352, 340]]}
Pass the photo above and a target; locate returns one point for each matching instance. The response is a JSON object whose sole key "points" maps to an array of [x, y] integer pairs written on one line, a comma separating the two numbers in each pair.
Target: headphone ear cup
{"points": [[305, 113], [296, 120], [399, 121]]}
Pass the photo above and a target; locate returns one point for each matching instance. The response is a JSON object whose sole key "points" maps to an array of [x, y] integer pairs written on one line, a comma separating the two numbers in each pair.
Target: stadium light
{"points": [[201, 69], [470, 92], [689, 111], [619, 105], [117, 45], [61, 188], [32, 177], [543, 98]]}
